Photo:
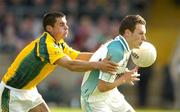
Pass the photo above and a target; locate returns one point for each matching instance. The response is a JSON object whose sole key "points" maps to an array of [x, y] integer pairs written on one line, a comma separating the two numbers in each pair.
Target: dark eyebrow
{"points": [[141, 32], [61, 23]]}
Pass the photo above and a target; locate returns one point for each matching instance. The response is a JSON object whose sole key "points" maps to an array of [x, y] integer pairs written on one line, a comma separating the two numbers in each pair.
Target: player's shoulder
{"points": [[121, 42], [115, 45]]}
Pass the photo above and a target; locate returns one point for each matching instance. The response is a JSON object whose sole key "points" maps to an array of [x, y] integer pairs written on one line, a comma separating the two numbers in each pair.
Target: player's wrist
{"points": [[121, 81], [95, 65]]}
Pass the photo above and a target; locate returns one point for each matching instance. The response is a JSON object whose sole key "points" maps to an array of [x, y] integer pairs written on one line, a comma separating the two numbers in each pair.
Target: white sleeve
{"points": [[107, 77]]}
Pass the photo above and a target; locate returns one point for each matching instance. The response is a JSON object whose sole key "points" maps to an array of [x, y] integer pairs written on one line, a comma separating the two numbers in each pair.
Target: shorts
{"points": [[17, 100], [114, 103]]}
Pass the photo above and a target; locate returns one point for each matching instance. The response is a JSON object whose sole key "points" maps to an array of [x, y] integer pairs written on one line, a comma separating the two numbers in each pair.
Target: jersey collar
{"points": [[121, 38], [50, 37]]}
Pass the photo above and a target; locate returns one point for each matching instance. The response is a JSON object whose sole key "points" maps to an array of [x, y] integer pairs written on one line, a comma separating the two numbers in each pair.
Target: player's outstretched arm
{"points": [[82, 66], [84, 56], [127, 77]]}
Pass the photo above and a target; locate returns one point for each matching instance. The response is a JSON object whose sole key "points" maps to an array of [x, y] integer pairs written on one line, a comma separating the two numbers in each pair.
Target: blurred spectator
{"points": [[9, 30], [114, 28], [25, 34], [99, 34], [14, 2], [175, 73], [75, 93], [123, 8], [55, 5], [54, 94], [83, 33], [26, 12]]}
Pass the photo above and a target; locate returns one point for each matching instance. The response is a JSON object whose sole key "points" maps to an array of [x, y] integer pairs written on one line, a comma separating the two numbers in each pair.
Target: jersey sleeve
{"points": [[49, 52], [115, 50], [69, 51], [55, 53]]}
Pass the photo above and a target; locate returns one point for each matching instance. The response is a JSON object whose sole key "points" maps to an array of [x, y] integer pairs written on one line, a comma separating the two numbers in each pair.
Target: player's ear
{"points": [[127, 32], [49, 28]]}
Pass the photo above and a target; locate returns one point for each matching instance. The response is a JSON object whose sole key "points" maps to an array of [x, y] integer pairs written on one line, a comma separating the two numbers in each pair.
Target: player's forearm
{"points": [[84, 56], [81, 66], [106, 86]]}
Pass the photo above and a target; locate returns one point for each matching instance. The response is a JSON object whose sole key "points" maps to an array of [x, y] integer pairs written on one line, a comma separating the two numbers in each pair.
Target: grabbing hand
{"points": [[108, 66]]}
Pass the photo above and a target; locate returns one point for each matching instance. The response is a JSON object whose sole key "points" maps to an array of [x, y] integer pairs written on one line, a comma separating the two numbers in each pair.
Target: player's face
{"points": [[138, 36], [60, 29]]}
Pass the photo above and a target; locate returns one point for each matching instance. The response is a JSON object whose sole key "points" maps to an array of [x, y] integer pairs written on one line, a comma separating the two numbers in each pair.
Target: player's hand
{"points": [[130, 76], [108, 66]]}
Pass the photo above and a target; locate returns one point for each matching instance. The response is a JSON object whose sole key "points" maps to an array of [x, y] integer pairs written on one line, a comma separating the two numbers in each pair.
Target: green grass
{"points": [[65, 110], [138, 110]]}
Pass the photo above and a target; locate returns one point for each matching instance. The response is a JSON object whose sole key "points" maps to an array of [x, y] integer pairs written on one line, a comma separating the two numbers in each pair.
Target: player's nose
{"points": [[66, 27], [144, 37]]}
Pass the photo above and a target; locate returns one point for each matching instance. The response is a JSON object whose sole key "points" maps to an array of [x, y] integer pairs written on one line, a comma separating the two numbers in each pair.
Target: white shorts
{"points": [[16, 100], [114, 103]]}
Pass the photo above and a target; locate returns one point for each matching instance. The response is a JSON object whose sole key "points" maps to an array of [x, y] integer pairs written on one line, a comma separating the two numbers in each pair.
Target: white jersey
{"points": [[119, 51]]}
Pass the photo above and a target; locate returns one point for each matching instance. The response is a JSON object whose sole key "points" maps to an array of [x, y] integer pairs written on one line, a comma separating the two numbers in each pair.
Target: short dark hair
{"points": [[50, 18], [129, 22]]}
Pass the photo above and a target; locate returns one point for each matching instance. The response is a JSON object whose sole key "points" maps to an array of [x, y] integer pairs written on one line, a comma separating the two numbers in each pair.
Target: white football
{"points": [[145, 55]]}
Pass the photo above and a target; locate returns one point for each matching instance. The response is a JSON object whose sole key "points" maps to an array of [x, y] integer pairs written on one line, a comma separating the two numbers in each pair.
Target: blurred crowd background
{"points": [[91, 23]]}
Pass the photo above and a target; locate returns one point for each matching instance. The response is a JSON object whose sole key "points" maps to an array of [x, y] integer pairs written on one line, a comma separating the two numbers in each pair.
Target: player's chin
{"points": [[65, 35], [137, 45], [140, 43]]}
